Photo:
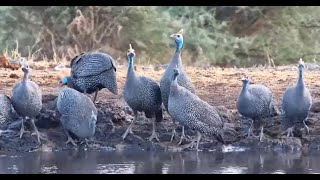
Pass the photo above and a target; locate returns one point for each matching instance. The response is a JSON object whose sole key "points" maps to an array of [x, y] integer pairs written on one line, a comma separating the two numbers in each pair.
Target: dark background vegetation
{"points": [[217, 35]]}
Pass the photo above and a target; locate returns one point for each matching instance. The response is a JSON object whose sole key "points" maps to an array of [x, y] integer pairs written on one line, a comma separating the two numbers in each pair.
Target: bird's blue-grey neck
{"points": [[130, 60], [130, 66], [245, 85], [300, 78], [174, 84], [25, 74], [176, 59]]}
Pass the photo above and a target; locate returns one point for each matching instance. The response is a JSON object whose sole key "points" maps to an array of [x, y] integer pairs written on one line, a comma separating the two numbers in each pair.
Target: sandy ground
{"points": [[218, 86]]}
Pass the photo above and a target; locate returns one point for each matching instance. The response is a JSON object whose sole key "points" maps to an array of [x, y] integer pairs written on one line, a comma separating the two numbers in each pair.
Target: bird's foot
{"points": [[86, 141], [173, 134], [70, 140], [154, 136], [289, 133], [183, 136], [190, 145], [22, 131], [39, 136], [250, 133]]}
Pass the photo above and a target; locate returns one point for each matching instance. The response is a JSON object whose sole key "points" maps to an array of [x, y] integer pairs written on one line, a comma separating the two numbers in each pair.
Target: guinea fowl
{"points": [[255, 102], [142, 94], [27, 101], [296, 104], [90, 72], [5, 109], [183, 79], [189, 110], [6, 116], [77, 114]]}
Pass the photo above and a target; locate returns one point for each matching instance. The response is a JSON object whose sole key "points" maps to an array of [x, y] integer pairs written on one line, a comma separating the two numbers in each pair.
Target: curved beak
{"points": [[173, 36]]}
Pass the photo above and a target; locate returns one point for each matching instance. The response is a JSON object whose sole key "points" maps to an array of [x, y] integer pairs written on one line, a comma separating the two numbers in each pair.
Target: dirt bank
{"points": [[219, 87]]}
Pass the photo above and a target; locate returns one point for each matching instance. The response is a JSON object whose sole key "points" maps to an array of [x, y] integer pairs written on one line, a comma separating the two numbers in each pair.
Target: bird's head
{"points": [[65, 80], [130, 52], [301, 64], [178, 38], [176, 72], [245, 79], [25, 68]]}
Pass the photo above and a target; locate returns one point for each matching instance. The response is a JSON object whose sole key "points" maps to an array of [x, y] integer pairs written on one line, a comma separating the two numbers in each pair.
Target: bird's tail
{"points": [[159, 116]]}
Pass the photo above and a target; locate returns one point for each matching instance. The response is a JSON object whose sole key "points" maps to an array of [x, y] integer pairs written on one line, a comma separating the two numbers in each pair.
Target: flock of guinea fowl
{"points": [[90, 72]]}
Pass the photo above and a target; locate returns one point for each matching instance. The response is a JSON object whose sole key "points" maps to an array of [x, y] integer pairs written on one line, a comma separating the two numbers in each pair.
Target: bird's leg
{"points": [[183, 136], [250, 132], [70, 140], [173, 130], [36, 132], [261, 134], [95, 96], [86, 141], [154, 134], [129, 129], [191, 144], [198, 140], [289, 132], [305, 125], [22, 131]]}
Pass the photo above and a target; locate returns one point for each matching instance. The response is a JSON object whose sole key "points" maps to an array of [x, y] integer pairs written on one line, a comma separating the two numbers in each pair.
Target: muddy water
{"points": [[98, 162]]}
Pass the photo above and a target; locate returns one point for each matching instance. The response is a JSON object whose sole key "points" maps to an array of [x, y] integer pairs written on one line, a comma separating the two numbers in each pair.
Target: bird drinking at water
{"points": [[77, 114]]}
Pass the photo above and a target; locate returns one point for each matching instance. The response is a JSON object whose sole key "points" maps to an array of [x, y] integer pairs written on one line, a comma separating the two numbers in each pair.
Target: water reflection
{"points": [[94, 162]]}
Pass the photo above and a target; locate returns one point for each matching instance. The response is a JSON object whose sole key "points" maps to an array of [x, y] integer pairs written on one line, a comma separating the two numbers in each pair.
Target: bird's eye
{"points": [[178, 35]]}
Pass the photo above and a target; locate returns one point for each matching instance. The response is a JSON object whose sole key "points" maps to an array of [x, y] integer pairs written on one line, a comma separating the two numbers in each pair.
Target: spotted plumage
{"points": [[6, 114], [189, 110], [90, 72], [255, 102], [183, 79], [77, 113], [296, 103], [142, 94], [27, 100]]}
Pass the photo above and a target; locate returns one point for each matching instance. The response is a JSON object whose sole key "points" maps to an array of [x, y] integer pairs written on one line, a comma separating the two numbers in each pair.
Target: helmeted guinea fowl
{"points": [[189, 110], [6, 116], [90, 72], [77, 114], [27, 100], [183, 79], [142, 94], [255, 102], [296, 103], [5, 109]]}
